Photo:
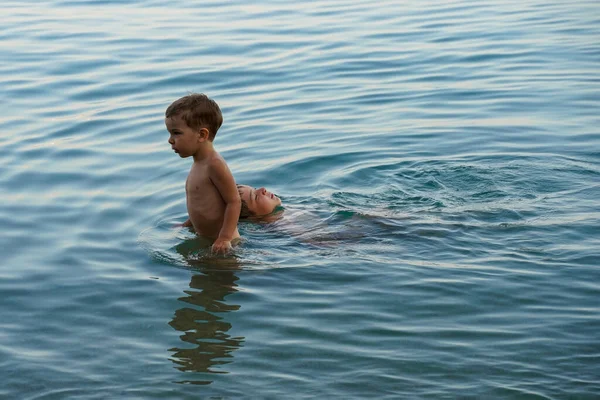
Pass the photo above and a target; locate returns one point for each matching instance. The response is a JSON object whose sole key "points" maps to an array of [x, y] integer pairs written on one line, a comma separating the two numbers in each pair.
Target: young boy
{"points": [[213, 202]]}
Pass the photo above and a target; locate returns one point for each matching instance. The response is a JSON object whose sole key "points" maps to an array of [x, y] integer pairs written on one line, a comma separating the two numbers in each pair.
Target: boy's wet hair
{"points": [[198, 111], [244, 210]]}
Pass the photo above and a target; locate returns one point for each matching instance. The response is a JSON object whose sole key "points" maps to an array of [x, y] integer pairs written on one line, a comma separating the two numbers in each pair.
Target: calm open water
{"points": [[440, 166]]}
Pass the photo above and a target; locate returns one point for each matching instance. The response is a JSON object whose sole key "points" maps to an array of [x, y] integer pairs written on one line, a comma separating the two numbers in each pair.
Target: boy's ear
{"points": [[203, 134]]}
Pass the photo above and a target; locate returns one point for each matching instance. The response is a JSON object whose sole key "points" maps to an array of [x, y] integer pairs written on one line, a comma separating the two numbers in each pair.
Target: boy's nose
{"points": [[262, 190], [171, 141]]}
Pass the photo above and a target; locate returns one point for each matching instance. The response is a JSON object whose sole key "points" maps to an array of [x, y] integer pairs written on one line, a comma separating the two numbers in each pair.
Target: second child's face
{"points": [[260, 201], [183, 139]]}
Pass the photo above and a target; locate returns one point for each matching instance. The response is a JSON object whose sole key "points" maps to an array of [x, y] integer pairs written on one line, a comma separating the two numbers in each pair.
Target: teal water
{"points": [[440, 167]]}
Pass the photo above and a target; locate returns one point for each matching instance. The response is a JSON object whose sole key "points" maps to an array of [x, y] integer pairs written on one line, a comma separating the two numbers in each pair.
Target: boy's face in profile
{"points": [[183, 139]]}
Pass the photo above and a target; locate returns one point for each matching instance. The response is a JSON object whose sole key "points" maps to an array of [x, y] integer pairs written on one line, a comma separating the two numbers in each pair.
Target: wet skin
{"points": [[260, 201]]}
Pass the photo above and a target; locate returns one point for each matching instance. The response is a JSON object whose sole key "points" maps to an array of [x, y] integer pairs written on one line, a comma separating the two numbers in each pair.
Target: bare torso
{"points": [[205, 206]]}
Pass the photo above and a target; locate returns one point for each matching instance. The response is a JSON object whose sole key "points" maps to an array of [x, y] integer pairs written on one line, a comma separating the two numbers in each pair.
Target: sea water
{"points": [[439, 165]]}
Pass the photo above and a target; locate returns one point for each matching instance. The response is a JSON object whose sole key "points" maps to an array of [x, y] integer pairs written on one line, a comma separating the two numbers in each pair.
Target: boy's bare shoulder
{"points": [[216, 159], [217, 164], [218, 168]]}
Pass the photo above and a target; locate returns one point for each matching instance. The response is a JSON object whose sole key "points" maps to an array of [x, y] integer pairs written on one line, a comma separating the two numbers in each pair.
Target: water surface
{"points": [[439, 166]]}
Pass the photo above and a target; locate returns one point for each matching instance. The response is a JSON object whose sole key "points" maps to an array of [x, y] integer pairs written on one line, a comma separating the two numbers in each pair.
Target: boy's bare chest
{"points": [[199, 184]]}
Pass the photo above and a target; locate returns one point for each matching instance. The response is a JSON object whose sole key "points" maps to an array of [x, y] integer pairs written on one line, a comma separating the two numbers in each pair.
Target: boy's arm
{"points": [[225, 183]]}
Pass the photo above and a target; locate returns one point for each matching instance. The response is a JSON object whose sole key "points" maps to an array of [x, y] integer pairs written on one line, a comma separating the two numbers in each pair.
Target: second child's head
{"points": [[198, 111], [257, 202]]}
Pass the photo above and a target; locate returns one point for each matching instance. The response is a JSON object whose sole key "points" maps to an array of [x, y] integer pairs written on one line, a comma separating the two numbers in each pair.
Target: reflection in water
{"points": [[202, 320]]}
